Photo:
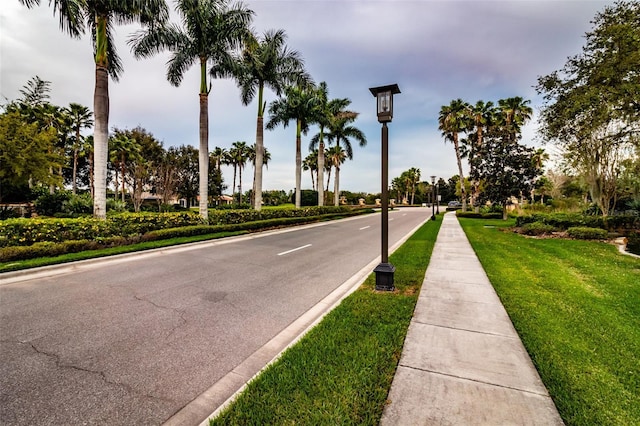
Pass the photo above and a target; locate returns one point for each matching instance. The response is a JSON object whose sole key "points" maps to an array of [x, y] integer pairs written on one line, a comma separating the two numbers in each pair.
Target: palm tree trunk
{"points": [[203, 156], [320, 170], [257, 190], [75, 162], [459, 159], [100, 141], [240, 188], [336, 187], [298, 163], [233, 189], [328, 179]]}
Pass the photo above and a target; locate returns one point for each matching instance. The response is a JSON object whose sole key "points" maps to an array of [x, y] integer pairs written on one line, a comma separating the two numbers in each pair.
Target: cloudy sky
{"points": [[436, 51]]}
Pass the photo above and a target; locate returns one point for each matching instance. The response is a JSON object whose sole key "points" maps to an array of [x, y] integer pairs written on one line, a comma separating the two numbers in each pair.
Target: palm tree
{"points": [[210, 31], [340, 130], [266, 157], [238, 154], [266, 62], [515, 112], [327, 111], [311, 163], [81, 118], [452, 121], [336, 156], [122, 148], [482, 116], [413, 175], [299, 105], [100, 17]]}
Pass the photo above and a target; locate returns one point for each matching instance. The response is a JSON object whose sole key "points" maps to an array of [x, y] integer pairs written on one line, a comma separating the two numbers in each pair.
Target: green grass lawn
{"points": [[341, 371], [576, 307]]}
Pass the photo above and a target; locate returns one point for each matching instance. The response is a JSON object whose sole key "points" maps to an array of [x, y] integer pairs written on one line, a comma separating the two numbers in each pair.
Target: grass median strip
{"points": [[341, 371], [576, 307]]}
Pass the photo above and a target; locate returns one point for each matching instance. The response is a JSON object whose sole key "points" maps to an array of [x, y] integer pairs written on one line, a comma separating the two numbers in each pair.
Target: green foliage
{"points": [[78, 204], [50, 204], [537, 228], [591, 108], [474, 215], [586, 233], [564, 221], [633, 243]]}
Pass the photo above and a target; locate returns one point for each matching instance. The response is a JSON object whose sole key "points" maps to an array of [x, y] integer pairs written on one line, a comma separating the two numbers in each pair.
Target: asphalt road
{"points": [[136, 339]]}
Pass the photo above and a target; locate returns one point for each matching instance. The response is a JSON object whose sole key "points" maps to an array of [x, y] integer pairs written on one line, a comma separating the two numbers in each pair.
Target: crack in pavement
{"points": [[59, 364], [181, 314]]}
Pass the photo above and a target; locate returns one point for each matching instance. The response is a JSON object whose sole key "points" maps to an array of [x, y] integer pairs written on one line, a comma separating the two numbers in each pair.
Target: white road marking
{"points": [[295, 249], [365, 227]]}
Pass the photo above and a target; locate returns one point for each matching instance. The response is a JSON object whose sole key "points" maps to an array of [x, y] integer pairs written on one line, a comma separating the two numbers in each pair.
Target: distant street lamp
{"points": [[437, 199], [433, 198], [384, 96]]}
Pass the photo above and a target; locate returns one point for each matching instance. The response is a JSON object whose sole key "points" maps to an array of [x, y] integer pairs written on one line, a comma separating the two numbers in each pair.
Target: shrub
{"points": [[474, 215], [537, 228], [79, 204], [50, 204], [633, 243], [586, 233]]}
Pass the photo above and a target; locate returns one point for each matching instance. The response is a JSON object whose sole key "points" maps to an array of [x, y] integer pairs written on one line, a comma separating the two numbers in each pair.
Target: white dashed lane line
{"points": [[295, 249]]}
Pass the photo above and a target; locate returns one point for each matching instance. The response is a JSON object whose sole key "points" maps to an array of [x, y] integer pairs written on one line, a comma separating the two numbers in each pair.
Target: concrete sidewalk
{"points": [[463, 362]]}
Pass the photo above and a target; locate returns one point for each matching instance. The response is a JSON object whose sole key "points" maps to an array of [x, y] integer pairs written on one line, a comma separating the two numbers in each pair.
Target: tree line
{"points": [[216, 35]]}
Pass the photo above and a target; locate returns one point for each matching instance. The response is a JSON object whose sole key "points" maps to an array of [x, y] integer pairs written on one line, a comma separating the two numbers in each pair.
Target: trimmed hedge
{"points": [[25, 232], [536, 228], [52, 248], [586, 233], [564, 221], [474, 215]]}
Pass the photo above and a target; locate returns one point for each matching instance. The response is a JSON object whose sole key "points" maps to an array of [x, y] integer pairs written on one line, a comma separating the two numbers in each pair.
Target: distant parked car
{"points": [[454, 204]]}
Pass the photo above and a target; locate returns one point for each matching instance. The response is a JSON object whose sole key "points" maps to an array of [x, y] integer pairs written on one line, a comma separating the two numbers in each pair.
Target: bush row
{"points": [[585, 233], [25, 232], [564, 221], [474, 215], [49, 248]]}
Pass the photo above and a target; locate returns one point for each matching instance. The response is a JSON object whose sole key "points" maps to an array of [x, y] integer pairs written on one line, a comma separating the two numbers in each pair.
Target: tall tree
{"points": [[266, 62], [452, 121], [297, 104], [482, 115], [239, 155], [592, 107], [81, 118], [311, 163], [336, 156], [100, 17], [341, 131], [211, 30], [514, 113], [326, 113], [507, 169], [122, 148]]}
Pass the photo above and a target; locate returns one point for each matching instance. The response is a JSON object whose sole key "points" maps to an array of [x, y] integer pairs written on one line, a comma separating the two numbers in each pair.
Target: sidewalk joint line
{"points": [[474, 380], [464, 329]]}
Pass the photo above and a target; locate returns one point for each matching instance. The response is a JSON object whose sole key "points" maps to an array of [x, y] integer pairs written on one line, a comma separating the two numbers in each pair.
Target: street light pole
{"points": [[385, 270], [433, 198], [385, 197], [437, 199]]}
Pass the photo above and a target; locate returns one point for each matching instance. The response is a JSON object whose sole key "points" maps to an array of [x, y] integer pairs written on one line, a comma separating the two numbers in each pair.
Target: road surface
{"points": [[134, 340]]}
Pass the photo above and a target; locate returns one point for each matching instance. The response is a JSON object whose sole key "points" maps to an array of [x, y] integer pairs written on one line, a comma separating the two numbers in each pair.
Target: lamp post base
{"points": [[384, 277]]}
